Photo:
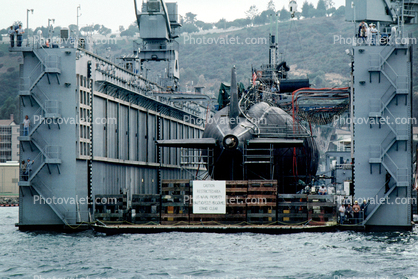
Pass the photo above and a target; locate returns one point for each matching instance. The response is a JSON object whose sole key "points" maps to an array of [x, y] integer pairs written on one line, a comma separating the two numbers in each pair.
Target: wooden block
{"points": [[286, 211], [286, 219]]}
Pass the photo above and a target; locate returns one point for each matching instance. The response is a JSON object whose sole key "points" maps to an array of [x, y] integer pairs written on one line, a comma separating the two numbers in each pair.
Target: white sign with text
{"points": [[209, 197]]}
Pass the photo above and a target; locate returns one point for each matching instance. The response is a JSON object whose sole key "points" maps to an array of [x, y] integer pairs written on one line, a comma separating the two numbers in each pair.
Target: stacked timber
{"points": [[175, 205], [110, 207], [247, 202], [304, 209], [292, 208], [261, 201], [146, 208]]}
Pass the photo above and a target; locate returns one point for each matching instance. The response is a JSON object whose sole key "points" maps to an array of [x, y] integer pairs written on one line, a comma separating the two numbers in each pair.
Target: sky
{"points": [[113, 13]]}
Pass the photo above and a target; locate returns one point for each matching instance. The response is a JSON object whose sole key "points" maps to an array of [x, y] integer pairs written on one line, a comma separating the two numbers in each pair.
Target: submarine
{"points": [[260, 141]]}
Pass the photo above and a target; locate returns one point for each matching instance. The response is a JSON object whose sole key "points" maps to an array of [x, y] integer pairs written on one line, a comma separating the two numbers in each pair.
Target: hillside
{"points": [[206, 58], [306, 45], [9, 82]]}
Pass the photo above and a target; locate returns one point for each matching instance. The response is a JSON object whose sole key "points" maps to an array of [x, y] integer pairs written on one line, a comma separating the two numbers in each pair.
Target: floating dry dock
{"points": [[265, 229]]}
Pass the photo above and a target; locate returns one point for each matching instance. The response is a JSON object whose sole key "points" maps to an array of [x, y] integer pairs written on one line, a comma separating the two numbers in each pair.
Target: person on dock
{"points": [[349, 213], [29, 167], [26, 125], [342, 213], [362, 31], [363, 208], [12, 34], [369, 34], [20, 33], [322, 190], [23, 170], [374, 32], [356, 210]]}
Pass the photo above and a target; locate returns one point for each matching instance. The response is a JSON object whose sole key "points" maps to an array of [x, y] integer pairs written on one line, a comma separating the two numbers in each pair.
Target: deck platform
{"points": [[264, 229]]}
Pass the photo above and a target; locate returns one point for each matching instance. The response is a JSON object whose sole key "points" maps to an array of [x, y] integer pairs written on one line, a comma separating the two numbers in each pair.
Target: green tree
{"points": [[241, 22], [321, 9], [131, 31], [73, 29], [221, 24], [340, 11], [271, 6], [43, 30], [329, 4], [204, 25], [190, 18], [252, 12], [189, 28], [104, 30], [9, 100], [88, 28], [308, 10], [9, 107], [190, 76], [331, 11], [263, 17], [201, 80], [284, 14]]}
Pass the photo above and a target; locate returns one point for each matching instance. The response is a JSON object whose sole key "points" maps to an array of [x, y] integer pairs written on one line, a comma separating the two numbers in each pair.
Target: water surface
{"points": [[204, 255]]}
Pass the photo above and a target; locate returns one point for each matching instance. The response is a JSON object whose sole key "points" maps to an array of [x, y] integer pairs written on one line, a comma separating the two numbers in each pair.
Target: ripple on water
{"points": [[176, 255]]}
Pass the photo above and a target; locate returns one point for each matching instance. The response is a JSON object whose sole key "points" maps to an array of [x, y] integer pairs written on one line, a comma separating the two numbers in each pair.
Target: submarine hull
{"points": [[263, 145]]}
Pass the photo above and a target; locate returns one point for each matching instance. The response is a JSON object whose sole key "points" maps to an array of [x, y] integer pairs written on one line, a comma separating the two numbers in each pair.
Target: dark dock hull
{"points": [[146, 229]]}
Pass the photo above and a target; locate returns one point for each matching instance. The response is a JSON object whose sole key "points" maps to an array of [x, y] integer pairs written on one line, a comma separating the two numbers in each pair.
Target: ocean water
{"points": [[204, 255]]}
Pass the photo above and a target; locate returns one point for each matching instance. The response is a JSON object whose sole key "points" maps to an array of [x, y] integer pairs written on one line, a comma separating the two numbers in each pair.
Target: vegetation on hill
{"points": [[9, 83], [306, 45], [309, 43], [254, 17]]}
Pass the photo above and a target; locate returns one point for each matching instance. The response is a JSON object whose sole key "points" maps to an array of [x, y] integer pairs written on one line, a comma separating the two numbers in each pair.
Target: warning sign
{"points": [[209, 197]]}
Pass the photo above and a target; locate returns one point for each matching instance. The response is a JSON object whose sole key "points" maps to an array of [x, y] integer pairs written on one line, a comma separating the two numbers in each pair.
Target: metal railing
{"points": [[53, 151], [375, 152], [390, 166], [29, 82], [375, 62], [52, 62], [352, 219], [289, 131], [343, 166], [52, 107], [24, 84], [402, 84], [403, 176], [375, 107]]}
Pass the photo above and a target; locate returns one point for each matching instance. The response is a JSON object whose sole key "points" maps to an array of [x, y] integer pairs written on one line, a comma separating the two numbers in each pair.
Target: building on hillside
{"points": [[9, 144]]}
